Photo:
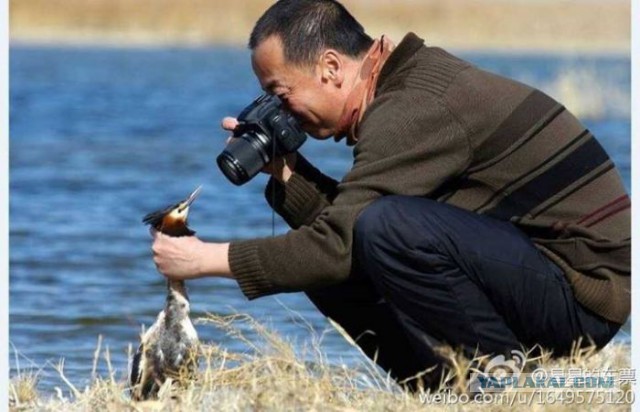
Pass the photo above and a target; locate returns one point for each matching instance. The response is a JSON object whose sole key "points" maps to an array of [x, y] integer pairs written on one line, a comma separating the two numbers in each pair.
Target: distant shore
{"points": [[578, 26]]}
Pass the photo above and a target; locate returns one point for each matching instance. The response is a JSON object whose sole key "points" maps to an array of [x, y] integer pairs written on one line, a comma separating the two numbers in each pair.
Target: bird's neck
{"points": [[172, 226], [175, 229], [177, 307], [178, 289]]}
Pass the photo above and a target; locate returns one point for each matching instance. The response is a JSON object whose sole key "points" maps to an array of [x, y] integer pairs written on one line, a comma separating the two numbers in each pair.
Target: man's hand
{"points": [[280, 168], [187, 257]]}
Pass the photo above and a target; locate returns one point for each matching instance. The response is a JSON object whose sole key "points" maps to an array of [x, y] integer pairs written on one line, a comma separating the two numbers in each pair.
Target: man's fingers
{"points": [[155, 246], [229, 123]]}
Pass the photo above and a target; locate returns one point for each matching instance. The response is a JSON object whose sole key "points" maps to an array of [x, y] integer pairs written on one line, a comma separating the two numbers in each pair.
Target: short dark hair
{"points": [[307, 27]]}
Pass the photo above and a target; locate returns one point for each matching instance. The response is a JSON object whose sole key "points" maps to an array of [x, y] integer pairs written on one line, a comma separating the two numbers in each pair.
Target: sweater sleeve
{"points": [[301, 199], [409, 144]]}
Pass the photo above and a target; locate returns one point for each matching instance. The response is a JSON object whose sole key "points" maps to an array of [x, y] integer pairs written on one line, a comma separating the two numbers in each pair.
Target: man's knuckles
{"points": [[156, 248]]}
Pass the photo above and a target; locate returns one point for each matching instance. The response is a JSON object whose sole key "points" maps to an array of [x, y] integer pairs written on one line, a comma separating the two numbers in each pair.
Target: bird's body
{"points": [[169, 348]]}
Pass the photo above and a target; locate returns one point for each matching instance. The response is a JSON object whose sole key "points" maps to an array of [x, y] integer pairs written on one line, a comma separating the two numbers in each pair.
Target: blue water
{"points": [[99, 137]]}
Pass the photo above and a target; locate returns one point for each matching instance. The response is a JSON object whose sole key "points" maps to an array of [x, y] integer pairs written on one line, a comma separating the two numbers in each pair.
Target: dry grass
{"points": [[583, 25], [270, 375]]}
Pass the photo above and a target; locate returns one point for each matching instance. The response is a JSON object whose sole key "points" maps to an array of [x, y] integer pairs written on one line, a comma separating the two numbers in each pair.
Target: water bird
{"points": [[169, 348]]}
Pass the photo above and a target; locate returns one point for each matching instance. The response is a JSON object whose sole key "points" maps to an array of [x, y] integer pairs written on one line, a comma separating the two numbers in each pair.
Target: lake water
{"points": [[99, 137]]}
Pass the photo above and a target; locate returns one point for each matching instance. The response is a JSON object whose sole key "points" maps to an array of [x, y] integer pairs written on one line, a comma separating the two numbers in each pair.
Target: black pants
{"points": [[426, 273]]}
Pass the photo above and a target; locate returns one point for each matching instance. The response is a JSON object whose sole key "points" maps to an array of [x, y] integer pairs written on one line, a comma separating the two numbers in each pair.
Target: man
{"points": [[478, 213]]}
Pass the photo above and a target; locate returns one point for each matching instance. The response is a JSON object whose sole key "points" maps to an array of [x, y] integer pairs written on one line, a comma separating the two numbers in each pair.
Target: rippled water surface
{"points": [[99, 137]]}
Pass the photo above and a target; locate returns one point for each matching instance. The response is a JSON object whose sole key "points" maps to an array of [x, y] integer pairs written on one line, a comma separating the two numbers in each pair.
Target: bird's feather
{"points": [[155, 218], [170, 345]]}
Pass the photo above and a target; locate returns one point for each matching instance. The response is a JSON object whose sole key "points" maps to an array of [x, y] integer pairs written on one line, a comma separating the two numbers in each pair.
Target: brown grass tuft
{"points": [[22, 392], [271, 375]]}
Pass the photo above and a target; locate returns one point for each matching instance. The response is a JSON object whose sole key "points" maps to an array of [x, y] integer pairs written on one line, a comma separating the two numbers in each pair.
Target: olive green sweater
{"points": [[442, 128]]}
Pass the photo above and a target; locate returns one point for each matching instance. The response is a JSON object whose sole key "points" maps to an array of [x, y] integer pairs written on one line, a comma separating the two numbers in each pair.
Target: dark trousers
{"points": [[427, 274]]}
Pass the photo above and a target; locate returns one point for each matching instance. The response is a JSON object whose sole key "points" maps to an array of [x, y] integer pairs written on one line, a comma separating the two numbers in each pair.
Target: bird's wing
{"points": [[137, 367], [150, 334], [139, 374]]}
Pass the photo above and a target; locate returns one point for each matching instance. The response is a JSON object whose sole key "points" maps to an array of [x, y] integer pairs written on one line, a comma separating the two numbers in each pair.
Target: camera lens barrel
{"points": [[264, 130], [244, 157]]}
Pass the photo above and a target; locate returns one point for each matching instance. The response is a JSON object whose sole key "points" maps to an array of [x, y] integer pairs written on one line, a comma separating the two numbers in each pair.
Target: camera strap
{"points": [[273, 192]]}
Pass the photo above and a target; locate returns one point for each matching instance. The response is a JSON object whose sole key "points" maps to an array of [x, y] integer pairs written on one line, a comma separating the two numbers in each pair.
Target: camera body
{"points": [[265, 130]]}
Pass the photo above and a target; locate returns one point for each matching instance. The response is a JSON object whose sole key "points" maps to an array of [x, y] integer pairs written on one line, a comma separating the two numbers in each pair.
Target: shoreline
{"points": [[117, 42], [524, 26]]}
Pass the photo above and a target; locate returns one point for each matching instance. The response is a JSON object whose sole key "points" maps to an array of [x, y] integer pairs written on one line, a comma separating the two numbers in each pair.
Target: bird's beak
{"points": [[193, 196]]}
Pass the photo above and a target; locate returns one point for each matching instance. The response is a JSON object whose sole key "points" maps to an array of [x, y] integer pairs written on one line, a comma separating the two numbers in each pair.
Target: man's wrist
{"points": [[289, 163], [215, 260], [286, 175]]}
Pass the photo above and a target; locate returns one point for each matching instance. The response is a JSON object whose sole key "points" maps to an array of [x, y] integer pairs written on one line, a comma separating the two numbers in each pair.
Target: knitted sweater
{"points": [[441, 128]]}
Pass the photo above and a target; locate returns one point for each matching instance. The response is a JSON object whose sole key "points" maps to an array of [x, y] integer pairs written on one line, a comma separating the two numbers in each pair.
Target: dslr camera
{"points": [[265, 130]]}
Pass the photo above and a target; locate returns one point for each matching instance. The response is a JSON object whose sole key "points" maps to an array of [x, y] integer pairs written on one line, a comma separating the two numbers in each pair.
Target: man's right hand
{"points": [[281, 168]]}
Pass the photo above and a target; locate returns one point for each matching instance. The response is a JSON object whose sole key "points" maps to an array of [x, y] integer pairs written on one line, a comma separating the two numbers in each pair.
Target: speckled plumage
{"points": [[169, 348]]}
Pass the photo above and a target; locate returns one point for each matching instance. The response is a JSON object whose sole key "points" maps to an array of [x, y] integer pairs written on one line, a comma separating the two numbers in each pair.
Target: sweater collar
{"points": [[407, 48], [364, 91]]}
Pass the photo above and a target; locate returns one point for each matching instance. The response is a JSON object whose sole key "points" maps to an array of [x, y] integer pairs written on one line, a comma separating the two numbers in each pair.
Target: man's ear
{"points": [[331, 67]]}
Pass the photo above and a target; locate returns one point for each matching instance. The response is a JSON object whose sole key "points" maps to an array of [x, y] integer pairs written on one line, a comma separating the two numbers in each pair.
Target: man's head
{"points": [[308, 53]]}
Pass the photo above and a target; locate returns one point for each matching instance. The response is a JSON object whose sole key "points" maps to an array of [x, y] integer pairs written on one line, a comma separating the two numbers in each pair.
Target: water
{"points": [[99, 137]]}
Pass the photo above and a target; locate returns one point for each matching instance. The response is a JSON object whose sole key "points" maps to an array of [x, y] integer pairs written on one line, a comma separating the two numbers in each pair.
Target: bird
{"points": [[169, 348]]}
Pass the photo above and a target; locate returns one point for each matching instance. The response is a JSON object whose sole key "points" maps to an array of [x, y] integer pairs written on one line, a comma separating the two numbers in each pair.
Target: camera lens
{"points": [[244, 157]]}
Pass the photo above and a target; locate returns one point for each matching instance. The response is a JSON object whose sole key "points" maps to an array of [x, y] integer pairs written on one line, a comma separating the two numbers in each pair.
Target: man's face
{"points": [[315, 101]]}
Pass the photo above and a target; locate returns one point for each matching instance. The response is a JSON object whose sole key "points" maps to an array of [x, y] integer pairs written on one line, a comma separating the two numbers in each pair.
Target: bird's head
{"points": [[173, 219], [180, 212]]}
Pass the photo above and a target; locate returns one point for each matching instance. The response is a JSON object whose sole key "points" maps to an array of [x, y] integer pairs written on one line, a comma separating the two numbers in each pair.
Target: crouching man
{"points": [[479, 213]]}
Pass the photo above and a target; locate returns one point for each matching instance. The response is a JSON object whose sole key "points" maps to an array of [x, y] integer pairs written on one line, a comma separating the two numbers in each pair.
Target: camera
{"points": [[265, 130]]}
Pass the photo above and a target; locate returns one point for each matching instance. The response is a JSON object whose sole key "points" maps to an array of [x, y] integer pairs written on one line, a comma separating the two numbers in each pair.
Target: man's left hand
{"points": [[177, 258], [187, 257]]}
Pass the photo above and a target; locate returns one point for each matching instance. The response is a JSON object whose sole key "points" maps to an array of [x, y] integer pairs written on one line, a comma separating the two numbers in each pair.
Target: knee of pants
{"points": [[390, 228], [370, 233], [372, 226], [394, 218]]}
